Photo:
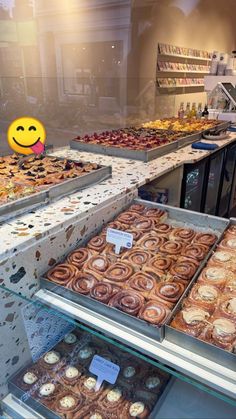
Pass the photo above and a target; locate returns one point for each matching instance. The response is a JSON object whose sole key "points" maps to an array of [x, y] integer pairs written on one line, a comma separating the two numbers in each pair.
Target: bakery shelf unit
{"points": [[181, 70]]}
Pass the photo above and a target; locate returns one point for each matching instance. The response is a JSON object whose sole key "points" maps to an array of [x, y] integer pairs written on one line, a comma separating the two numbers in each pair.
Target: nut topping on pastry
{"points": [[71, 372], [152, 382], [208, 293], [70, 338], [67, 402], [30, 378], [52, 357], [129, 372], [47, 389], [114, 395], [90, 383], [194, 315], [224, 327], [136, 409]]}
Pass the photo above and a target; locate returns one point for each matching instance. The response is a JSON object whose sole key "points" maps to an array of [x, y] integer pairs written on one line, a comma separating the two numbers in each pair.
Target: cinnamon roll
{"points": [[207, 239], [196, 251], [156, 274], [109, 251], [128, 218], [47, 393], [119, 272], [204, 296], [136, 234], [163, 229], [230, 286], [220, 332], [161, 262], [92, 412], [144, 224], [191, 320], [29, 377], [227, 307], [62, 274], [84, 282], [215, 275], [151, 242], [231, 231], [112, 400], [182, 234], [98, 264], [97, 244], [141, 282], [183, 270], [167, 292], [86, 387], [172, 248], [139, 208], [70, 375], [154, 312], [78, 257], [137, 257], [127, 301], [52, 360], [68, 403], [114, 224], [228, 244], [224, 259], [103, 291], [157, 214], [135, 409]]}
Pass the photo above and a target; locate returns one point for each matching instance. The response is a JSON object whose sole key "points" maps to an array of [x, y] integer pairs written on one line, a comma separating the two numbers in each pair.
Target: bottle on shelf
{"points": [[193, 110], [205, 113], [181, 111], [199, 111], [187, 112]]}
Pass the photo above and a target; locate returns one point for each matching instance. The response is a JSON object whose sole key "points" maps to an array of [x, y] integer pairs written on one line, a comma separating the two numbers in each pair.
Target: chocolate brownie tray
{"points": [[143, 155], [205, 349], [46, 193], [176, 218]]}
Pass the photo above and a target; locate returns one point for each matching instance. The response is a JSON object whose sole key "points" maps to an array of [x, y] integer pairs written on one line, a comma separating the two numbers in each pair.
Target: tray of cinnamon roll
{"points": [[139, 143], [205, 320], [138, 287], [30, 181], [60, 384]]}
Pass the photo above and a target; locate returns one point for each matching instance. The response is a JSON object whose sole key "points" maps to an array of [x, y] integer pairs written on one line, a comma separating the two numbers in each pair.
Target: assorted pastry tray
{"points": [[204, 320], [35, 180], [59, 384], [134, 143], [139, 287]]}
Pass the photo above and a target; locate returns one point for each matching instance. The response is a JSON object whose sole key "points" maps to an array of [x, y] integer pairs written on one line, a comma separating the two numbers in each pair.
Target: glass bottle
{"points": [[205, 113], [193, 110], [181, 111], [187, 110], [199, 111]]}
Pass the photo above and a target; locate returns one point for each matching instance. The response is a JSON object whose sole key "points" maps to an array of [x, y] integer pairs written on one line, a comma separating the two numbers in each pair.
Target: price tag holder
{"points": [[104, 370], [119, 239]]}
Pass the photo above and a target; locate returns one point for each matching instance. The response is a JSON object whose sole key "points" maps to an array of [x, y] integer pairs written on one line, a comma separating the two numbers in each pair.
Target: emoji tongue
{"points": [[38, 148]]}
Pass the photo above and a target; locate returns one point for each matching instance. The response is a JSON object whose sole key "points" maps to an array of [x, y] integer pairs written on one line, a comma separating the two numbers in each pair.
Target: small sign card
{"points": [[104, 370], [119, 239]]}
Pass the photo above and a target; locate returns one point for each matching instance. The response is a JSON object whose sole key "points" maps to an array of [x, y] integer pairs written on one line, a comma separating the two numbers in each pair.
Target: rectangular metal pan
{"points": [[207, 350], [17, 207], [177, 217], [143, 155]]}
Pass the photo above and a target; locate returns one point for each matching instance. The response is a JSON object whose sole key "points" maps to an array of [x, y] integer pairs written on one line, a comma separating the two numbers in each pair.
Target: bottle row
{"points": [[192, 111]]}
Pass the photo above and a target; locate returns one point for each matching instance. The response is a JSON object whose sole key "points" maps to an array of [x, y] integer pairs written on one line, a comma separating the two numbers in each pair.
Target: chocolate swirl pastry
{"points": [[204, 296], [86, 387], [127, 301], [215, 275], [62, 274], [183, 271], [161, 262], [154, 312], [144, 224], [151, 242], [128, 218], [196, 251], [163, 229], [79, 257], [137, 257], [221, 332], [98, 264], [103, 291], [141, 282], [157, 214], [227, 307], [191, 320], [135, 409], [70, 375], [68, 403], [207, 239], [119, 272], [139, 208], [182, 234], [112, 400], [224, 259], [52, 360], [228, 244], [97, 244], [84, 282], [172, 248], [167, 292]]}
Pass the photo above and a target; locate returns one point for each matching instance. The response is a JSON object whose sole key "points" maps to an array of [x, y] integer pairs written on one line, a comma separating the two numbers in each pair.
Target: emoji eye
{"points": [[32, 128], [20, 128]]}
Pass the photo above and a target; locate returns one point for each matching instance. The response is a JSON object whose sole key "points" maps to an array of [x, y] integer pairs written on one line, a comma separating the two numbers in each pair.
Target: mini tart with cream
{"points": [[68, 403], [135, 409], [191, 320], [220, 332], [51, 360]]}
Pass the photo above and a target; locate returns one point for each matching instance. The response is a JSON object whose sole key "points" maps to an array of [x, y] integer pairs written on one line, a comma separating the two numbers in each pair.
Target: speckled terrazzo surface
{"points": [[127, 174]]}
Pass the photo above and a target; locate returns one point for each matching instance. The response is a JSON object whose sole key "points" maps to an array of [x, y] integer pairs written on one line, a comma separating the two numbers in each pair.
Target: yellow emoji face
{"points": [[26, 135]]}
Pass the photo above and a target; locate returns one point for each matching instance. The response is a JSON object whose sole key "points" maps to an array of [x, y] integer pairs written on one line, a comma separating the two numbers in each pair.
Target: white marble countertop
{"points": [[21, 231]]}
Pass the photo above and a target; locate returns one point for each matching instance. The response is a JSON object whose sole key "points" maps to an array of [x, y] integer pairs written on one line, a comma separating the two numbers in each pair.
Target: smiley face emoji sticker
{"points": [[26, 135]]}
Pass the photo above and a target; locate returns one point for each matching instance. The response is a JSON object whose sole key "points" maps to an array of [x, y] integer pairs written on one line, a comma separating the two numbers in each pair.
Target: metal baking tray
{"points": [[205, 349], [177, 217], [143, 155], [17, 207]]}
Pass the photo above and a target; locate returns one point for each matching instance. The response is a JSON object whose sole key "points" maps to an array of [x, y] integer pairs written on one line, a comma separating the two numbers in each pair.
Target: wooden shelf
{"points": [[182, 71], [180, 86], [183, 57]]}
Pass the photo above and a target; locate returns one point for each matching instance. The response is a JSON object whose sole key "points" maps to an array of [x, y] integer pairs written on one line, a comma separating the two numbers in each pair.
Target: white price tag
{"points": [[119, 239], [104, 370]]}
